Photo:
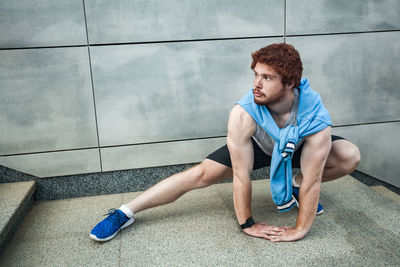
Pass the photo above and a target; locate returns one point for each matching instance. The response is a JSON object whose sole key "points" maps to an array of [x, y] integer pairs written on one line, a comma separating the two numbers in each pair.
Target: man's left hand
{"points": [[291, 234]]}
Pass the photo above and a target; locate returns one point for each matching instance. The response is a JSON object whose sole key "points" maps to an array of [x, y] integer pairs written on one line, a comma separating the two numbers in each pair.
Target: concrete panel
{"points": [[326, 16], [151, 155], [379, 148], [169, 91], [356, 75], [153, 20], [46, 100], [55, 163], [41, 23]]}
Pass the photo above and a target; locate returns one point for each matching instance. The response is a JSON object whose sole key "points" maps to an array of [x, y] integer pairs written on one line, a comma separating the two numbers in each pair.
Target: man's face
{"points": [[268, 88]]}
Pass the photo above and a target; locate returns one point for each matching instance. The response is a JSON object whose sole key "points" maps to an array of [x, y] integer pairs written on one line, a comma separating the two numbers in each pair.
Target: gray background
{"points": [[92, 86]]}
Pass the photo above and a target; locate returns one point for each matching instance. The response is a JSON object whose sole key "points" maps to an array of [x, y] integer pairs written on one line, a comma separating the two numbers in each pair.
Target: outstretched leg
{"points": [[170, 189]]}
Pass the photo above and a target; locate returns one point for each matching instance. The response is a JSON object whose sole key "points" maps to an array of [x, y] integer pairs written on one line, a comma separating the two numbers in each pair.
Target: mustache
{"points": [[257, 91]]}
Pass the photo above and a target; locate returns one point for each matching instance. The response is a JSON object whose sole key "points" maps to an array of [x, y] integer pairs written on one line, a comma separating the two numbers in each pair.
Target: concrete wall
{"points": [[90, 86]]}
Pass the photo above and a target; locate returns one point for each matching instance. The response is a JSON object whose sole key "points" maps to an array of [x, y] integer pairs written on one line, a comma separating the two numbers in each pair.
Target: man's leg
{"points": [[170, 189], [342, 160], [204, 174]]}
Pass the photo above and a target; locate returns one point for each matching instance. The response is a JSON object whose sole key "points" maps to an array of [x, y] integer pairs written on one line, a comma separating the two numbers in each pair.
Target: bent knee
{"points": [[350, 157], [353, 156], [356, 156]]}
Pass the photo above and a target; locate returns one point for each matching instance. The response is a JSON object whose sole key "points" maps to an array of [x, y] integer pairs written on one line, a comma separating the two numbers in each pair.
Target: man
{"points": [[280, 123]]}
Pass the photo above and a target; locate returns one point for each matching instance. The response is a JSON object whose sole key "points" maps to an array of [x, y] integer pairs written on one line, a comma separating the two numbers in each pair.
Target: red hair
{"points": [[284, 59]]}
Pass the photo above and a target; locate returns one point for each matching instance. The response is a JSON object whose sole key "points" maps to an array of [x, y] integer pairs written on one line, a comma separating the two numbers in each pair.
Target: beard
{"points": [[270, 100]]}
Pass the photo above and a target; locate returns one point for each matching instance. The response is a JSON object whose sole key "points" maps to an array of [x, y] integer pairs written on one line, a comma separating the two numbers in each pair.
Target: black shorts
{"points": [[261, 159]]}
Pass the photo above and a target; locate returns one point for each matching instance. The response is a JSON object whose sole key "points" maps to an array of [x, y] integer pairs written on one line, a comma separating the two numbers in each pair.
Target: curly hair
{"points": [[284, 59]]}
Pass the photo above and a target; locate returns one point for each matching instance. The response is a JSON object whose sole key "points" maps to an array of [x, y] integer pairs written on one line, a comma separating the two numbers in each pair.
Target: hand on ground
{"points": [[274, 233], [263, 230], [291, 234]]}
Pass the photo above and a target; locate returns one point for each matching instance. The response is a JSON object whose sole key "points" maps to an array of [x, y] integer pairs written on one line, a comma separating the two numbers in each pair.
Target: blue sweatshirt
{"points": [[312, 117]]}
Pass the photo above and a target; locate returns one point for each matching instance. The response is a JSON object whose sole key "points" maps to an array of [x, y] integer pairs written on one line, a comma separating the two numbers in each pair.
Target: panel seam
{"points": [[284, 21], [112, 146], [176, 140], [92, 83], [202, 40], [365, 123]]}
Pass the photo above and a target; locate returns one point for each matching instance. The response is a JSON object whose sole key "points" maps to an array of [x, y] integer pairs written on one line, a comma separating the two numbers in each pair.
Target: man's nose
{"points": [[257, 82]]}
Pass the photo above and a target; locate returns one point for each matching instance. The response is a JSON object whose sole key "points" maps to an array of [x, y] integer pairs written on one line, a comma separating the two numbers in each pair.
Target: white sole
{"points": [[129, 222]]}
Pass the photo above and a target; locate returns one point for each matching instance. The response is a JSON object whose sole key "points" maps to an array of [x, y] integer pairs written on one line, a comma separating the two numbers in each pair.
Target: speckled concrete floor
{"points": [[360, 227]]}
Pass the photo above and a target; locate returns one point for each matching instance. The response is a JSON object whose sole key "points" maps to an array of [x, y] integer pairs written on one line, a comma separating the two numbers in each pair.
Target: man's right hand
{"points": [[263, 230]]}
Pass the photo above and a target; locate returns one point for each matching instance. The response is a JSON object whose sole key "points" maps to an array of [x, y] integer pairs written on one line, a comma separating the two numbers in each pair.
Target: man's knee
{"points": [[196, 176], [207, 173], [197, 172], [350, 157], [355, 157]]}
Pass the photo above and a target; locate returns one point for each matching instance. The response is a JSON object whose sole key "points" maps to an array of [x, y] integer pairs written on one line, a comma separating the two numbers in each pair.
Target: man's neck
{"points": [[281, 110]]}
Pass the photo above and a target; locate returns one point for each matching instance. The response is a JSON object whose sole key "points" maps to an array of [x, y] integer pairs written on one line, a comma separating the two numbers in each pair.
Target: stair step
{"points": [[15, 200]]}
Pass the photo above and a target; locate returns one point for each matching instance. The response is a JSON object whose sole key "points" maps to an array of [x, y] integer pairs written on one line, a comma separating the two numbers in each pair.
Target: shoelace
{"points": [[110, 212], [116, 218]]}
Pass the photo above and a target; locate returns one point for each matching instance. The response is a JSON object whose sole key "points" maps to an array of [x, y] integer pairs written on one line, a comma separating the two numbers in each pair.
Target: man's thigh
{"points": [[343, 152], [223, 157], [215, 172], [335, 141]]}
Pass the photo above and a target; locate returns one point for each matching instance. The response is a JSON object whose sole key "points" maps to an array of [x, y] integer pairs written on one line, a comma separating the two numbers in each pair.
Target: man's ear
{"points": [[290, 86]]}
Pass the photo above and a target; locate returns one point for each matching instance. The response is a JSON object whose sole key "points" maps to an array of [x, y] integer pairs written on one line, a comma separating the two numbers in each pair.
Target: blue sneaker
{"points": [[110, 226], [295, 191]]}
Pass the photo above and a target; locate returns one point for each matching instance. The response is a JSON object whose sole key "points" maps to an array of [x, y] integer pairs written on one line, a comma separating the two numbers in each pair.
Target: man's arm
{"points": [[313, 158], [240, 129]]}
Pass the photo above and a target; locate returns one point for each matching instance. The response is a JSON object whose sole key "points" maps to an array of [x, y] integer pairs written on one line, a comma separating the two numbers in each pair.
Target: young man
{"points": [[280, 123]]}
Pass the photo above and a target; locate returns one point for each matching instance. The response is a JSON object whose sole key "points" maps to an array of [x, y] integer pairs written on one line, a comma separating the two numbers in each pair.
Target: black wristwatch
{"points": [[249, 223]]}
